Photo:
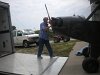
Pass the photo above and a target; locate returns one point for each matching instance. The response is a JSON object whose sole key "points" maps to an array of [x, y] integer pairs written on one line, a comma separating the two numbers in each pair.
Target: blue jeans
{"points": [[43, 42]]}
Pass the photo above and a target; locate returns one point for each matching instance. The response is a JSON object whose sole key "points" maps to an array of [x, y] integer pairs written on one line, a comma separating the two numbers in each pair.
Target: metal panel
{"points": [[5, 43], [4, 22], [28, 64], [55, 68], [6, 38]]}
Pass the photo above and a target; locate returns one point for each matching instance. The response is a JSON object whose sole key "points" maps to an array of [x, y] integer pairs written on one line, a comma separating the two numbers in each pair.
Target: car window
{"points": [[19, 33], [26, 32]]}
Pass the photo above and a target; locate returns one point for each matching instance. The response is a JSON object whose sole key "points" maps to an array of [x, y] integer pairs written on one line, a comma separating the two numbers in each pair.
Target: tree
{"points": [[37, 31], [50, 33]]}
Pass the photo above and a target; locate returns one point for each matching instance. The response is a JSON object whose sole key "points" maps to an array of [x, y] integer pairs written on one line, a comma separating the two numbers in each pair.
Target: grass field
{"points": [[59, 49]]}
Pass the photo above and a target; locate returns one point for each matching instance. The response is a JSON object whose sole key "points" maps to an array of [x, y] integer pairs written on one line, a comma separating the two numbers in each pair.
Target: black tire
{"points": [[56, 40], [85, 52], [90, 65], [37, 43], [66, 39], [26, 44]]}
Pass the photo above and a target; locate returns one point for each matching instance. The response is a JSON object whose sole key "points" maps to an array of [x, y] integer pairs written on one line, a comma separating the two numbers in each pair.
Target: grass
{"points": [[59, 49], [62, 48]]}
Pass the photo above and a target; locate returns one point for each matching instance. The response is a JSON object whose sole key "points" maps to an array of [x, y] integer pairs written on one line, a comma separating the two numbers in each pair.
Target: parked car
{"points": [[58, 38], [25, 38]]}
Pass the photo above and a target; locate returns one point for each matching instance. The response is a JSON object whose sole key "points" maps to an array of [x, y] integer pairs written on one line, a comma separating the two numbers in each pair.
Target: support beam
{"points": [[92, 13]]}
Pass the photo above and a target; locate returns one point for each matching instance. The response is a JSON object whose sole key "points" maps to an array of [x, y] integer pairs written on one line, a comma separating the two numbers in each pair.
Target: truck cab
{"points": [[25, 38]]}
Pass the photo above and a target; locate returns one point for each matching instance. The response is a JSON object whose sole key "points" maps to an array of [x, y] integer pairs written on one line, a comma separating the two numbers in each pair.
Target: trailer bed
{"points": [[28, 64]]}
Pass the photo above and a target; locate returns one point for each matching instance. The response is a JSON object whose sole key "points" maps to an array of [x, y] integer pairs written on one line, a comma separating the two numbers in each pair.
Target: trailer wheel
{"points": [[90, 65], [25, 44], [85, 52]]}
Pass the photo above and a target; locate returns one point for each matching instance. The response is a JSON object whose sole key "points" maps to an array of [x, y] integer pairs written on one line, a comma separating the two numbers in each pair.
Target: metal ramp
{"points": [[28, 64]]}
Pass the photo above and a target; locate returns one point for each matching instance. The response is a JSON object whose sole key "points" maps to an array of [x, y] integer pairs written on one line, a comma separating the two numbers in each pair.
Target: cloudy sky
{"points": [[28, 14]]}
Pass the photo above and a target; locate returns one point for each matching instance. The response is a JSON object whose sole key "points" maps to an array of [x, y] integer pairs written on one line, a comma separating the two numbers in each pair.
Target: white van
{"points": [[25, 38]]}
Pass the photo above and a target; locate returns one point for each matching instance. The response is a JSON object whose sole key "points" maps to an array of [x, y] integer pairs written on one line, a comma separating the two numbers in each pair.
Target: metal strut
{"points": [[92, 13]]}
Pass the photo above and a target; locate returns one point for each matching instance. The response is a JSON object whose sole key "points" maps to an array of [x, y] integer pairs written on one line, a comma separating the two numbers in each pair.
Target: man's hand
{"points": [[47, 28]]}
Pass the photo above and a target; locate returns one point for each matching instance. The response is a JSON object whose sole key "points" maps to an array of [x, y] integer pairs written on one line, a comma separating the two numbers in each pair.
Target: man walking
{"points": [[44, 39]]}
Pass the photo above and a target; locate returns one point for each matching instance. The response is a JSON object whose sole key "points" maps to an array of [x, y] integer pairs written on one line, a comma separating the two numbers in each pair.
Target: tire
{"points": [[66, 39], [37, 43], [85, 52], [26, 44], [90, 65], [56, 40]]}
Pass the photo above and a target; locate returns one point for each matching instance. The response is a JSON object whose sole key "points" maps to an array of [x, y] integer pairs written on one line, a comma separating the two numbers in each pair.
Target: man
{"points": [[44, 39]]}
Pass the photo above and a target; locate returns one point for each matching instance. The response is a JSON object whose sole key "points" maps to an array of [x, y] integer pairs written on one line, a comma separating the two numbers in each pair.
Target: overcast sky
{"points": [[28, 14]]}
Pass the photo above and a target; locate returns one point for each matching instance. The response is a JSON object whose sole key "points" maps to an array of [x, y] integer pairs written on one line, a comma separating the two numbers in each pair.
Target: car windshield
{"points": [[28, 32]]}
